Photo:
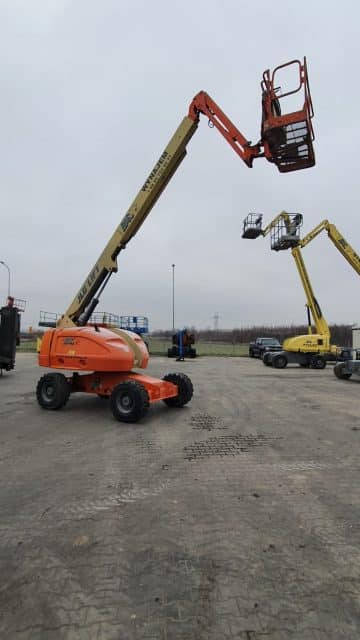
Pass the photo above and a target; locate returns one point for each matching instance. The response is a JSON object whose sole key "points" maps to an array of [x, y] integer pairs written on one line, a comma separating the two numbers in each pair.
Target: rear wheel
{"points": [[279, 362], [185, 389], [52, 391], [339, 371], [318, 362], [129, 401]]}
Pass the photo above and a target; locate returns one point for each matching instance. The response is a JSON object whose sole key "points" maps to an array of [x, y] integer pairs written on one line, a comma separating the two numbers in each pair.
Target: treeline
{"points": [[341, 334]]}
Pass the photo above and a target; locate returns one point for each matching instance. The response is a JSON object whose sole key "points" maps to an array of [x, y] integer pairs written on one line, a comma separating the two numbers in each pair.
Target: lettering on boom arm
{"points": [[89, 282], [159, 168], [156, 173], [345, 246]]}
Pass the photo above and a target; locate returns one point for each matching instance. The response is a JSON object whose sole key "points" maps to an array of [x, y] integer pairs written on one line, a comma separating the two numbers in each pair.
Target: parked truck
{"points": [[263, 345]]}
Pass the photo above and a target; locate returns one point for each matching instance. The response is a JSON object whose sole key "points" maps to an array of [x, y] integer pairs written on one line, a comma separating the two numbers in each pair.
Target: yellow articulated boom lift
{"points": [[101, 358], [311, 349], [343, 370]]}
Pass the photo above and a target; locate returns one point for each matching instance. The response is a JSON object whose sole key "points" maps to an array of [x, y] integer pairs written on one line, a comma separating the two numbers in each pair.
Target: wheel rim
{"points": [[48, 392], [125, 403]]}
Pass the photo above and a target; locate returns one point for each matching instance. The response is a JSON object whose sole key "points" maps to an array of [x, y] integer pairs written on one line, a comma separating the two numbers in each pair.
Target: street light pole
{"points": [[173, 297], [6, 266]]}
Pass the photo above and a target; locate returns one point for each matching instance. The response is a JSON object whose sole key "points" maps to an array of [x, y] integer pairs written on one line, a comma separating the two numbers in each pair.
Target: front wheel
{"points": [[129, 401], [280, 362], [185, 389], [52, 391], [339, 371], [267, 359]]}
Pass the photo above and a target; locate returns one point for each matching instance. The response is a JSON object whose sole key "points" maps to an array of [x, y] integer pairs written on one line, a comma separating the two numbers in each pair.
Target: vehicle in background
{"points": [[306, 350], [349, 367], [182, 345], [262, 345], [314, 349], [9, 332]]}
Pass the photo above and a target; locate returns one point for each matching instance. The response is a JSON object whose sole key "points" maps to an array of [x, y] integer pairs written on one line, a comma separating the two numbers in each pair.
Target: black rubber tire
{"points": [[192, 353], [251, 353], [185, 389], [267, 360], [52, 391], [318, 362], [338, 371], [279, 362], [129, 401]]}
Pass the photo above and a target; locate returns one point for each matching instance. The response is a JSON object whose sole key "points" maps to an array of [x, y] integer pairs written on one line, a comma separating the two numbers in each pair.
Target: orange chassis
{"points": [[101, 361], [102, 384]]}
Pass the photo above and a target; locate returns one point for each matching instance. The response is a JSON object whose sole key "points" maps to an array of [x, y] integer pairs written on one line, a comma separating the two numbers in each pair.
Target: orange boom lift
{"points": [[102, 359]]}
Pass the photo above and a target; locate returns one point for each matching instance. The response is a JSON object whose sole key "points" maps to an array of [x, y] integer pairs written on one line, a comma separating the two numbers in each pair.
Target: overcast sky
{"points": [[91, 93]]}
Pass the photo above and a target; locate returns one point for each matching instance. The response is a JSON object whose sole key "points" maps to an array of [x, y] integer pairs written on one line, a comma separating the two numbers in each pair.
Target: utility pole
{"points": [[6, 266], [216, 320], [173, 298]]}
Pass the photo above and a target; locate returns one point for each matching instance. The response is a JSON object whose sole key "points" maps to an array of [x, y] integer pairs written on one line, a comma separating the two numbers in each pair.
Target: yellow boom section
{"points": [[156, 182], [337, 239], [320, 323]]}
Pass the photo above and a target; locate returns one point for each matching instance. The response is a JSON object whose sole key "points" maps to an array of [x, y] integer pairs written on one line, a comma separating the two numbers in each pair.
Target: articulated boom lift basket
{"points": [[285, 234], [284, 229], [252, 226], [287, 138]]}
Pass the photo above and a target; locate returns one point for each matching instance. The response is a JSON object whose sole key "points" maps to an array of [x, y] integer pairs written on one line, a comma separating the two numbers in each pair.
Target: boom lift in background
{"points": [[343, 370], [182, 345], [106, 357], [306, 350]]}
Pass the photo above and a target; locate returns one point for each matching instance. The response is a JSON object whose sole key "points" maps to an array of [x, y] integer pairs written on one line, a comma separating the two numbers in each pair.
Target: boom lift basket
{"points": [[287, 138], [252, 226], [285, 234]]}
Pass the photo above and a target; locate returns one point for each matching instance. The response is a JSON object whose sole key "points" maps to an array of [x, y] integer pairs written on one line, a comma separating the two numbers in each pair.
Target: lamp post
{"points": [[173, 297], [6, 266]]}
